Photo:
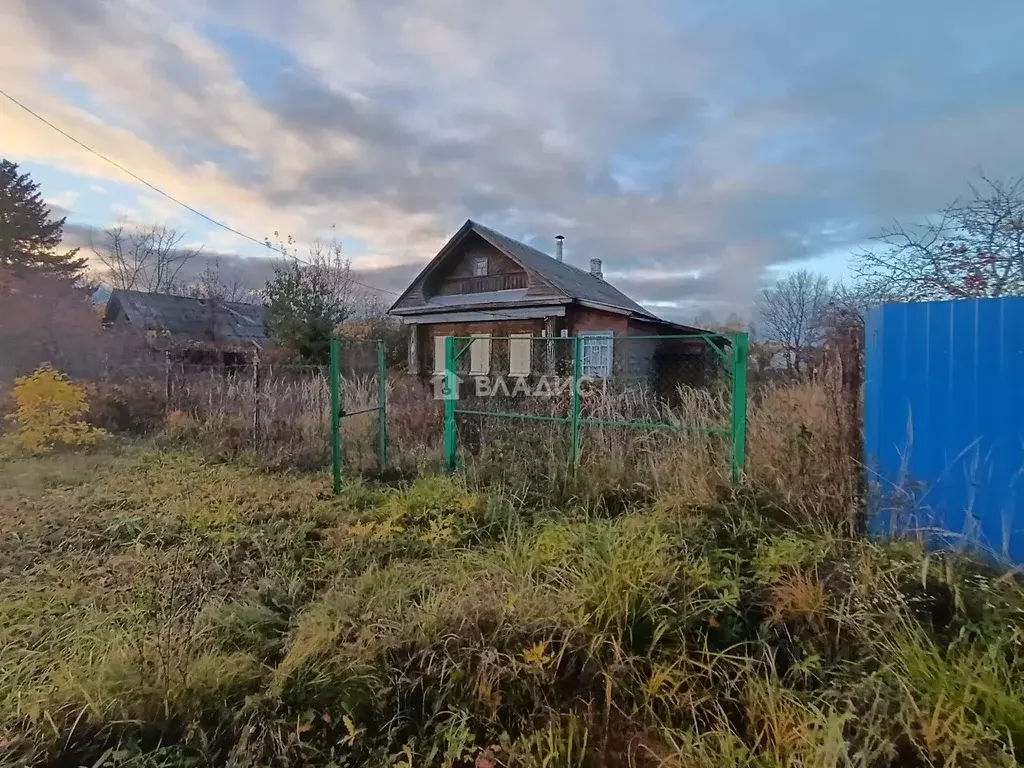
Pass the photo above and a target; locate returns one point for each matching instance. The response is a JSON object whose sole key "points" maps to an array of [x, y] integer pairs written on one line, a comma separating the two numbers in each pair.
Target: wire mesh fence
{"points": [[359, 380], [381, 423], [558, 403], [520, 405]]}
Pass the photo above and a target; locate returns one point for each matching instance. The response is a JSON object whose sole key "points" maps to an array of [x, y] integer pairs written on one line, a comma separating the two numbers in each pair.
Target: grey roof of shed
{"points": [[198, 320], [574, 282]]}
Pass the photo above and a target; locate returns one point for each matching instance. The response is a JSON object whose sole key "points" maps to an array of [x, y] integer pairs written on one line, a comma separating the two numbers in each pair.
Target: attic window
{"points": [[480, 266]]}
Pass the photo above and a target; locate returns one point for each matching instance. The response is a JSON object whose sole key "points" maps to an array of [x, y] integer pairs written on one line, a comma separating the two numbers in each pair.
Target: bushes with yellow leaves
{"points": [[49, 413]]}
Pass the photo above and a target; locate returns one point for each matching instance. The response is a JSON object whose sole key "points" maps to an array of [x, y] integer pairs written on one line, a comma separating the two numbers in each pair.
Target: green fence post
{"points": [[382, 405], [574, 401], [450, 390], [336, 414], [740, 348]]}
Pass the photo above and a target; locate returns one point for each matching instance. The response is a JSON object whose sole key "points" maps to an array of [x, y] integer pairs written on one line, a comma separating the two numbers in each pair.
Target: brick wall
{"points": [[583, 319]]}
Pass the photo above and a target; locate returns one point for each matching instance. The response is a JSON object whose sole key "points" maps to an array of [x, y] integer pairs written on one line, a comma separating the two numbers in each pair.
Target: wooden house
{"points": [[516, 302]]}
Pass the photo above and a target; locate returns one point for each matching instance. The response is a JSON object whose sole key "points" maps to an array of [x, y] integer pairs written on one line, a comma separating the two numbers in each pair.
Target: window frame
{"points": [[480, 262], [602, 369]]}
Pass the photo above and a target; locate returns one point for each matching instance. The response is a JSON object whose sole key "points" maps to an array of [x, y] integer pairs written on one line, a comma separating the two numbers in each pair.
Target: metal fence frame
{"points": [[338, 411], [737, 431]]}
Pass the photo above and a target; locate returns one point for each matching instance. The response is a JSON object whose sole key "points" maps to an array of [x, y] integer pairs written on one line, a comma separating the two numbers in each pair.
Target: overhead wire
{"points": [[194, 210]]}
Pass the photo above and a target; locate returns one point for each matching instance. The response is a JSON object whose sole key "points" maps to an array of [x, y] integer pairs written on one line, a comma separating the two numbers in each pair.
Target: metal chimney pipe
{"points": [[595, 269], [558, 246]]}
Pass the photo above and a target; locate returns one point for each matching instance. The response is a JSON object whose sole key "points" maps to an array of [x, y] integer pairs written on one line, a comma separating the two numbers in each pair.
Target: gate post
{"points": [[740, 349], [382, 407], [450, 391], [336, 415], [575, 402]]}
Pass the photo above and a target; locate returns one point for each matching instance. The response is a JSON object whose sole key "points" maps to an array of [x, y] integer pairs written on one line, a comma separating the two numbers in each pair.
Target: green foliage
{"points": [[303, 309], [29, 239]]}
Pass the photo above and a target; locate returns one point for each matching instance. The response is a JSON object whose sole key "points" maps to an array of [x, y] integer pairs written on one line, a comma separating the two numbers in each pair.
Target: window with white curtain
{"points": [[597, 354]]}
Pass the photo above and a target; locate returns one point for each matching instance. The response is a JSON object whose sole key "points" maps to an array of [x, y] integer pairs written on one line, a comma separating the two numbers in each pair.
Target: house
{"points": [[200, 330], [516, 301]]}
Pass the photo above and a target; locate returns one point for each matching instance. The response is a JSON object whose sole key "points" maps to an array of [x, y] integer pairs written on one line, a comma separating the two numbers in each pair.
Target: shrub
{"points": [[138, 408], [49, 413]]}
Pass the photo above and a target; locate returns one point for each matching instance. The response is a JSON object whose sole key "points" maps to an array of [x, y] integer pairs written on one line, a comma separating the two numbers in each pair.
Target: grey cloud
{"points": [[725, 138]]}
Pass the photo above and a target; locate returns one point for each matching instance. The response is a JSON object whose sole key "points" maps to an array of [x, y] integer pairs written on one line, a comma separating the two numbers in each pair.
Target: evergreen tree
{"points": [[29, 239]]}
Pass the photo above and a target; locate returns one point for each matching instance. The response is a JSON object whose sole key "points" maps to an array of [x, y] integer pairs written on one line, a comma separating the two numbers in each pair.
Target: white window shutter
{"points": [[520, 346], [439, 354], [480, 355]]}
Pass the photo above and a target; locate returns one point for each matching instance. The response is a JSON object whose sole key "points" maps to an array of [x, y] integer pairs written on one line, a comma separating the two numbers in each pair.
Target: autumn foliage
{"points": [[50, 410]]}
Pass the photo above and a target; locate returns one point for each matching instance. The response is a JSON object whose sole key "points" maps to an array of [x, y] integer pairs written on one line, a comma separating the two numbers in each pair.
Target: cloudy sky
{"points": [[700, 147]]}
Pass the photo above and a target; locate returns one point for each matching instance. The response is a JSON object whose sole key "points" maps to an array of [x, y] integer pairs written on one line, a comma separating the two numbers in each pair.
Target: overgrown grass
{"points": [[159, 610]]}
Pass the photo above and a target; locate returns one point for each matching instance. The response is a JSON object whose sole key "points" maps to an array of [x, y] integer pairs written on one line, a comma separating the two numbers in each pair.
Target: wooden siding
{"points": [[455, 275], [414, 299]]}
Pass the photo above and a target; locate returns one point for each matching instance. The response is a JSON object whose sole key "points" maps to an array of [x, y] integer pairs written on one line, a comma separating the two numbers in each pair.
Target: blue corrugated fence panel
{"points": [[944, 421]]}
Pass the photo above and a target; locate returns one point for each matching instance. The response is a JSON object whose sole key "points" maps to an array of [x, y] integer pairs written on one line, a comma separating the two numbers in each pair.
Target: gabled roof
{"points": [[198, 320], [572, 282]]}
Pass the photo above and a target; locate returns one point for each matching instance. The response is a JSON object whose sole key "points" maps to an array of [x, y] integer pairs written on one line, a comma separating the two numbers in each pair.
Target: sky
{"points": [[700, 148]]}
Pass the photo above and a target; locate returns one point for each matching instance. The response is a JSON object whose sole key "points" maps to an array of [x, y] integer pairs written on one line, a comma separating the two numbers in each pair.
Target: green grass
{"points": [[157, 610]]}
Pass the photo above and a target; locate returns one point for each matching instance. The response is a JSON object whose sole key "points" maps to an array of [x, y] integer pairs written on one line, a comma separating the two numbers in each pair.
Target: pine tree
{"points": [[29, 239]]}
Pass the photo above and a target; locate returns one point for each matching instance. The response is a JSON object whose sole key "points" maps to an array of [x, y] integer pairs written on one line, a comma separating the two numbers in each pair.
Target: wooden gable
{"points": [[451, 273]]}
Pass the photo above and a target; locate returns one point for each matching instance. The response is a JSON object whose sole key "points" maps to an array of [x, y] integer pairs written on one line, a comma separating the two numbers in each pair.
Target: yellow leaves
{"points": [[354, 733], [537, 655], [49, 413]]}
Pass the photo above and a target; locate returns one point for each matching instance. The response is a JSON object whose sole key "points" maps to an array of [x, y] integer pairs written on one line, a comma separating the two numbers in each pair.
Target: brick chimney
{"points": [[595, 269]]}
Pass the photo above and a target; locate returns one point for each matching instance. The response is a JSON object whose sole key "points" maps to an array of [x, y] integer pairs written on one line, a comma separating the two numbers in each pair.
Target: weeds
{"points": [[175, 612]]}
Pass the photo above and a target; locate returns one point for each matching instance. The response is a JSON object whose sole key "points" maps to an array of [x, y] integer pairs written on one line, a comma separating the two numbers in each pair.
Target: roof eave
{"points": [[431, 310]]}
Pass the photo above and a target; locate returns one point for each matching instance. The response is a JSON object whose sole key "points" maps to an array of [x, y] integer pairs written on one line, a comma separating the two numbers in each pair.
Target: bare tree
{"points": [[972, 248], [144, 258], [849, 304], [334, 270], [222, 284], [792, 314]]}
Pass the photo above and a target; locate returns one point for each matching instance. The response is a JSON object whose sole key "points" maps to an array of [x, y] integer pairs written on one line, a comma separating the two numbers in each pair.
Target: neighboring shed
{"points": [[197, 328]]}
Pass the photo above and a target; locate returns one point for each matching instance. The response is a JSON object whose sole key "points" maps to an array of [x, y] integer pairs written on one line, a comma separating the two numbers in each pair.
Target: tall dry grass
{"points": [[804, 448], [800, 447]]}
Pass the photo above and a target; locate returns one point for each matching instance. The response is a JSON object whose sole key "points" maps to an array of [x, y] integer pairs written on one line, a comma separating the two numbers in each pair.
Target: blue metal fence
{"points": [[944, 422]]}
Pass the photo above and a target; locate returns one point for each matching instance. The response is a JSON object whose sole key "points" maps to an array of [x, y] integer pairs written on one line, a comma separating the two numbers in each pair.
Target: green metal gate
{"points": [[690, 383], [359, 381]]}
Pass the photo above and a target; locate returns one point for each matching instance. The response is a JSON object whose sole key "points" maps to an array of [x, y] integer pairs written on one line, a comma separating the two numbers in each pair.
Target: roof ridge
{"points": [[579, 284]]}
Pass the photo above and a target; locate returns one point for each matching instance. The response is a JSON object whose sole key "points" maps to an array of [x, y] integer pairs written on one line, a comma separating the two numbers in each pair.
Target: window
{"points": [[520, 345], [597, 354], [439, 354], [480, 266], [480, 354]]}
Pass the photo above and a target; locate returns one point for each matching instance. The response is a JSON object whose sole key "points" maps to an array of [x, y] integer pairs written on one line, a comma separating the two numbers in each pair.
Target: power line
{"points": [[197, 212], [171, 197]]}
